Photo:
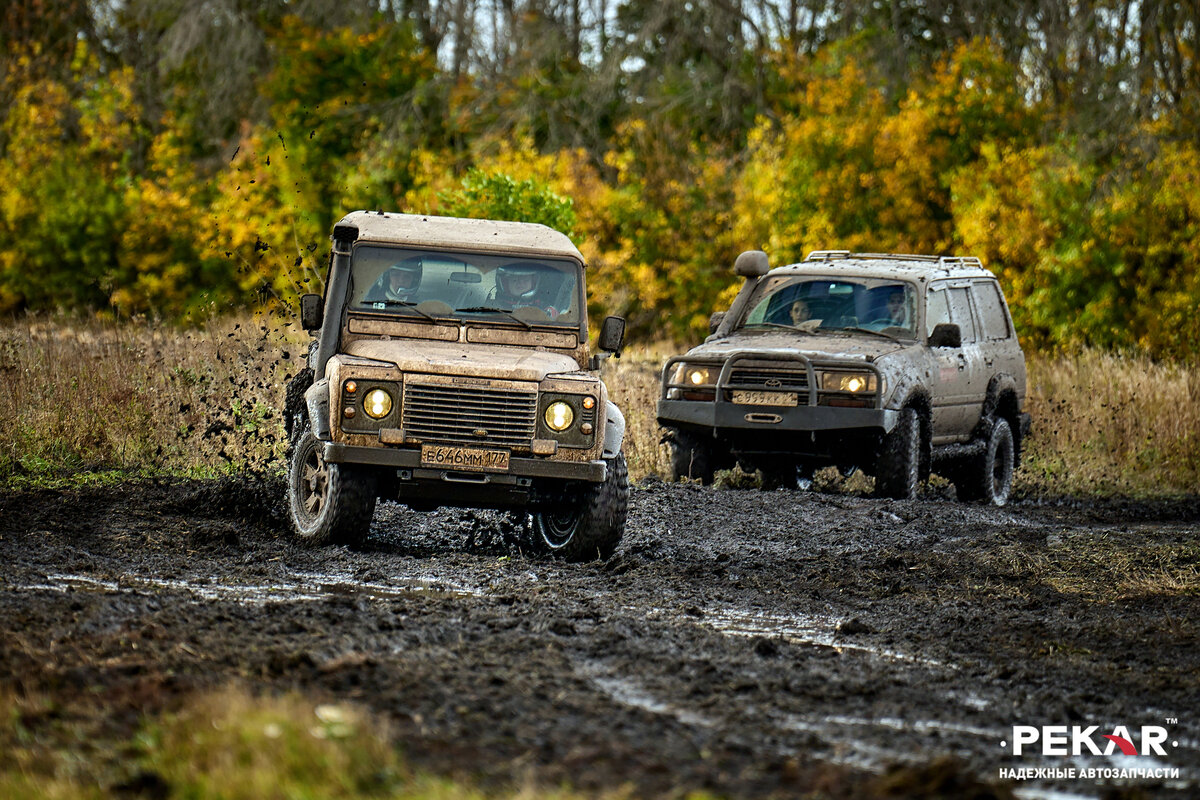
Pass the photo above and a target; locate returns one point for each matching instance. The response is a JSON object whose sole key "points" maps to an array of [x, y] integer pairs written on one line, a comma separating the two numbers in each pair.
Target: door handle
{"points": [[962, 362]]}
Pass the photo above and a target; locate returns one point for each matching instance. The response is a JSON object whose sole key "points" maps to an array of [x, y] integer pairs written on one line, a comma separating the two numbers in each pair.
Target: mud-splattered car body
{"points": [[451, 367], [888, 363]]}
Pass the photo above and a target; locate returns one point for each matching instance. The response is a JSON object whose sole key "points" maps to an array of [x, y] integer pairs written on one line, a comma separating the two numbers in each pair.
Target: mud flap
{"points": [[614, 431], [317, 400]]}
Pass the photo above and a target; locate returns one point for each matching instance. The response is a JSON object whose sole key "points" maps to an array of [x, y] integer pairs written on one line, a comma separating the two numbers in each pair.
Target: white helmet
{"points": [[518, 281], [402, 279]]}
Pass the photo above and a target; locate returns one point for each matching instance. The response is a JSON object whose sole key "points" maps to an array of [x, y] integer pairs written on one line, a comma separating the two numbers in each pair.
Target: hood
{"points": [[838, 346], [455, 358]]}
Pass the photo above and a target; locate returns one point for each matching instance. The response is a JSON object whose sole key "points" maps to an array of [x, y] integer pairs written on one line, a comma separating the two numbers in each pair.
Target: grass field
{"points": [[229, 744], [91, 401]]}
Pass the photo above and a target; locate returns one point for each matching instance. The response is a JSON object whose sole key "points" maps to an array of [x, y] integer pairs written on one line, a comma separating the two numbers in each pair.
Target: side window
{"points": [[937, 309], [991, 310], [960, 312]]}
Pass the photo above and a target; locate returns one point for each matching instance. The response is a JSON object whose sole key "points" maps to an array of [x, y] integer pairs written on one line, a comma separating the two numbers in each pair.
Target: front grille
{"points": [[779, 380], [460, 414]]}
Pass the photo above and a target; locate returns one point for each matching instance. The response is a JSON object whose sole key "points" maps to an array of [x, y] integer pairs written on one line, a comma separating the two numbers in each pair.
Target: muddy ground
{"points": [[745, 642]]}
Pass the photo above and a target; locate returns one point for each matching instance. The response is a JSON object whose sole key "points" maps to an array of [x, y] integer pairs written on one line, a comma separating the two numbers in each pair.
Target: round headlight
{"points": [[559, 416], [697, 376], [377, 404]]}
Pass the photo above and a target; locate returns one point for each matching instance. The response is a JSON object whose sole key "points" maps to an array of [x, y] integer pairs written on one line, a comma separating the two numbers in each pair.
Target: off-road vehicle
{"points": [[450, 367], [893, 364]]}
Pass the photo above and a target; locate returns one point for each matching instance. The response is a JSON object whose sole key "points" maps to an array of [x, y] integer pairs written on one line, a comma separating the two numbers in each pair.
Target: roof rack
{"points": [[959, 261], [826, 255], [945, 262]]}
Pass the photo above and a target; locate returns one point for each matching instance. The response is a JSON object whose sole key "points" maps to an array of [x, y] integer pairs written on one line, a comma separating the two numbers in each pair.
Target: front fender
{"points": [[317, 401], [614, 430]]}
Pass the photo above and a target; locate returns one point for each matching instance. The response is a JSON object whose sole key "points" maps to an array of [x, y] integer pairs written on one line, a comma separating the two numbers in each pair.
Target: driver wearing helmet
{"points": [[398, 283], [517, 287]]}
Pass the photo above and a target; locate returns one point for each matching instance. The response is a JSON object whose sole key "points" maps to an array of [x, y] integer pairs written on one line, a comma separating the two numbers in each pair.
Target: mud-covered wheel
{"points": [[328, 503], [691, 457], [988, 478], [898, 469], [591, 526]]}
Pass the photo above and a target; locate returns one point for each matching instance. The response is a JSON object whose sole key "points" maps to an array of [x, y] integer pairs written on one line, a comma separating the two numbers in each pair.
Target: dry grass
{"points": [[1107, 568], [1113, 424], [633, 384], [1101, 565], [81, 399]]}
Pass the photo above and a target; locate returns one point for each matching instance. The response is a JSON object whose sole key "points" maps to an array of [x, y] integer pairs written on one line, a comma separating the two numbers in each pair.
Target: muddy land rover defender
{"points": [[894, 364], [450, 367]]}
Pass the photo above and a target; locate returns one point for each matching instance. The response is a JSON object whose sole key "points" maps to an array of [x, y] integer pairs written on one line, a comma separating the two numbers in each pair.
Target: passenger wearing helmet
{"points": [[518, 285], [398, 283]]}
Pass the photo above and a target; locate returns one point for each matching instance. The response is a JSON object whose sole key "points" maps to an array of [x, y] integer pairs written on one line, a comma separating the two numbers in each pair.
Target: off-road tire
{"points": [[898, 469], [691, 457], [589, 526], [988, 477], [328, 503]]}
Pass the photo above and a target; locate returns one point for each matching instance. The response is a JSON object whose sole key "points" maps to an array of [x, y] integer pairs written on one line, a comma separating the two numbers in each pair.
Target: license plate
{"points": [[470, 459], [750, 398]]}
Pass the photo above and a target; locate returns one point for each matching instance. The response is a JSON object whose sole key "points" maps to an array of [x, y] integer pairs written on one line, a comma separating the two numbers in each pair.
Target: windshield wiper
{"points": [[798, 328], [856, 329], [506, 311], [405, 304]]}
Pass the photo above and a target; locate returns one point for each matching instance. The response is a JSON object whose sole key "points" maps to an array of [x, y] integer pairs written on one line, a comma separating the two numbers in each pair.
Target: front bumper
{"points": [[724, 416], [813, 413], [518, 467]]}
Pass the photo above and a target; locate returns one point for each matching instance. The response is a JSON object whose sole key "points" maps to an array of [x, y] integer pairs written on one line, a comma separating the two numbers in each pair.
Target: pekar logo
{"points": [[1076, 740], [1061, 740]]}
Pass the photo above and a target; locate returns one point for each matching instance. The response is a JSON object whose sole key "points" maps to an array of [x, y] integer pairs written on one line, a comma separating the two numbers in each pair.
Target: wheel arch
{"points": [[614, 430], [919, 401], [1002, 400]]}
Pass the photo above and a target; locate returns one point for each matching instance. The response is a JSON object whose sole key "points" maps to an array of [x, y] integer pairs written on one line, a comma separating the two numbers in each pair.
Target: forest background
{"points": [[175, 159]]}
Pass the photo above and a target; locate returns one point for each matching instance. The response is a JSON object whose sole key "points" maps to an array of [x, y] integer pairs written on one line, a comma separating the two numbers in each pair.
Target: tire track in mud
{"points": [[734, 633]]}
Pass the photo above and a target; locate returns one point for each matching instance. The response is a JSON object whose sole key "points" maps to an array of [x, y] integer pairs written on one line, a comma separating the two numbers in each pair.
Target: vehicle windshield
{"points": [[823, 303], [465, 286]]}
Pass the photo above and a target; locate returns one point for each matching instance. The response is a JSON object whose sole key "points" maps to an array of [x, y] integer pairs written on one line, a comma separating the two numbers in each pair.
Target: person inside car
{"points": [[399, 284], [518, 286], [801, 316], [896, 312]]}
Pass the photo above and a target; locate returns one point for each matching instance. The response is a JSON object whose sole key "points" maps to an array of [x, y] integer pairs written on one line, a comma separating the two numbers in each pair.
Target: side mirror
{"points": [[751, 264], [612, 335], [946, 334], [312, 312], [715, 321]]}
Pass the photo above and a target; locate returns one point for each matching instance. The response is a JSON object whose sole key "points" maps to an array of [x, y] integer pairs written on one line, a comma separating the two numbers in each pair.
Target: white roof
{"points": [[886, 265], [453, 233]]}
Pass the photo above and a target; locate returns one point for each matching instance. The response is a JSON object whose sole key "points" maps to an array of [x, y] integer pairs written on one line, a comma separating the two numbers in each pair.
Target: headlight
{"points": [[855, 382], [559, 416], [377, 404], [693, 375]]}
